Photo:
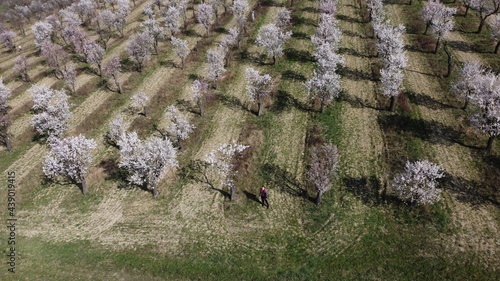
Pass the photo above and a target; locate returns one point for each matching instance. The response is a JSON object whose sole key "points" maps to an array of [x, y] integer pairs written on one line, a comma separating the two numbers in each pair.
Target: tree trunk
{"points": [[490, 144], [7, 142], [318, 198], [233, 192], [466, 10], [182, 60], [393, 103], [145, 110], [274, 59], [409, 3], [481, 24], [155, 192], [427, 27], [200, 107], [322, 106], [450, 61], [466, 104], [117, 84], [179, 142], [437, 45], [496, 47], [84, 186], [259, 112]]}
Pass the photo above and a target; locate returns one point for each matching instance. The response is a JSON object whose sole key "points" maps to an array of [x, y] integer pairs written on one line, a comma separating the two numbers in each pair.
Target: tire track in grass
{"points": [[477, 227]]}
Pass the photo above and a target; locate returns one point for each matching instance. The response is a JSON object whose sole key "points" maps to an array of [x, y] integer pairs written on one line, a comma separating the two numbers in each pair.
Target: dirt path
{"points": [[476, 225]]}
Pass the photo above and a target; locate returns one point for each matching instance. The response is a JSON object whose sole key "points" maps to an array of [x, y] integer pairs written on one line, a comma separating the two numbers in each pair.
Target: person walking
{"points": [[264, 193]]}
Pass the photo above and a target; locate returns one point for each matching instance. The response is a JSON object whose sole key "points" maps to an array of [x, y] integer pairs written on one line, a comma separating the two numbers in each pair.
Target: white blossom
{"points": [[69, 158], [258, 87], [417, 183], [271, 38]]}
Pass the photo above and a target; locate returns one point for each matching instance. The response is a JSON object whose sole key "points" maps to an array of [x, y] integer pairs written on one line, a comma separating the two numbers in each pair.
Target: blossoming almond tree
{"points": [[180, 127], [323, 168], [147, 162], [258, 87], [69, 158], [272, 38], [221, 160], [418, 183]]}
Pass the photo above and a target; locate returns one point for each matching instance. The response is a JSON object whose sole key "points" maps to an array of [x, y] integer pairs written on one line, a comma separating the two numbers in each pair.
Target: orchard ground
{"points": [[193, 231]]}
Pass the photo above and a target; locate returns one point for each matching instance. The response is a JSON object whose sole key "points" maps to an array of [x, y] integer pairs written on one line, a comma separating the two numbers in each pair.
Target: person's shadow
{"points": [[251, 196]]}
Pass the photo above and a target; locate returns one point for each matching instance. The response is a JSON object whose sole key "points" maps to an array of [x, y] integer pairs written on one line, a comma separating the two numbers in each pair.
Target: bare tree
{"points": [[21, 65], [140, 101], [139, 50], [5, 93], [111, 68], [323, 168], [221, 160], [271, 38], [199, 92], [418, 183], [147, 162], [180, 127], [205, 16], [69, 158], [258, 87], [181, 48], [69, 77]]}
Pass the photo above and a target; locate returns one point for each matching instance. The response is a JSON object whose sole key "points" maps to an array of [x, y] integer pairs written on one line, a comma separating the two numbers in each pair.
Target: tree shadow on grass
{"points": [[430, 131], [197, 170], [427, 101], [356, 102], [366, 189], [284, 181], [305, 21], [301, 35], [348, 19], [298, 55], [353, 52], [310, 10], [232, 101], [461, 46], [292, 75], [283, 100], [471, 192], [356, 75], [353, 34]]}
